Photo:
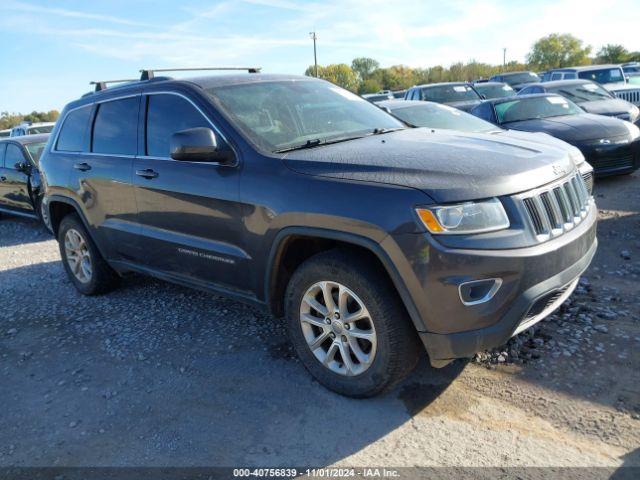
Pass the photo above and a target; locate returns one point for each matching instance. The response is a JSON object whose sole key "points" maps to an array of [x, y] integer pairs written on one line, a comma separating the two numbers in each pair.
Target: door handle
{"points": [[147, 173], [83, 167]]}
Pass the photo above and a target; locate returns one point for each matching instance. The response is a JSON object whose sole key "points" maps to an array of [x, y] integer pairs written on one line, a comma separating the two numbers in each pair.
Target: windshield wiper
{"points": [[380, 131], [316, 142]]}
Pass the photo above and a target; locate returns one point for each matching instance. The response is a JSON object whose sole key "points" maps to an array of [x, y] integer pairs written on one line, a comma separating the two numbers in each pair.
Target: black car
{"points": [[490, 90], [20, 185], [301, 198], [591, 97], [460, 95], [610, 145], [516, 80]]}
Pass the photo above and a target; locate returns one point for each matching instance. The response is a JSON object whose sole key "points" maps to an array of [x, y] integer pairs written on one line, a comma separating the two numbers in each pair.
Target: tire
{"points": [[99, 277], [380, 363]]}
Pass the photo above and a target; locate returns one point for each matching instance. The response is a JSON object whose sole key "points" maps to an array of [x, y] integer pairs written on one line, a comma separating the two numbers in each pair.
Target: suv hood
{"points": [[574, 128], [607, 107], [447, 166]]}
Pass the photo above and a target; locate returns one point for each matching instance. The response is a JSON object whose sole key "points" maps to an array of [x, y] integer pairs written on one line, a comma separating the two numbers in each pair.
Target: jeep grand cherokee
{"points": [[298, 196]]}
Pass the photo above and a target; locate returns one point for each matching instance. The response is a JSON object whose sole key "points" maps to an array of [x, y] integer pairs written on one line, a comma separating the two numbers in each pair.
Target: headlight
{"points": [[468, 217], [634, 112], [576, 156], [633, 130]]}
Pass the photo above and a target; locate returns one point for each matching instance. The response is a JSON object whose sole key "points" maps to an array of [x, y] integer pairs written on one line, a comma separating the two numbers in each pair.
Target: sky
{"points": [[50, 51]]}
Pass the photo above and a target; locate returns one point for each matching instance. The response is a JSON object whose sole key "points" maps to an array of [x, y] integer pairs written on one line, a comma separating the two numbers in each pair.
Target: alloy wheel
{"points": [[338, 328], [78, 256]]}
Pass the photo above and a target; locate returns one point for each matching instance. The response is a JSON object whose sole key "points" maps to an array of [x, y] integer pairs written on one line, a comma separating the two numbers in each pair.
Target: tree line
{"points": [[365, 75], [9, 120]]}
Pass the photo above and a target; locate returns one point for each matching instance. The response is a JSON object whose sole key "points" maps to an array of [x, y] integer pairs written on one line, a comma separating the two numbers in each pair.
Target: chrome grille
{"points": [[588, 181], [557, 208], [632, 96]]}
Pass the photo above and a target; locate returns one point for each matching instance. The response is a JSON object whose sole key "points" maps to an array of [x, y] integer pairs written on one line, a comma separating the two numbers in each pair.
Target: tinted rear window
{"points": [[71, 138], [115, 130]]}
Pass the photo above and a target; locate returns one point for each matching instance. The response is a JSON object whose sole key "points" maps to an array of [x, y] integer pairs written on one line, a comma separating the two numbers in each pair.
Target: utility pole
{"points": [[315, 55], [504, 57]]}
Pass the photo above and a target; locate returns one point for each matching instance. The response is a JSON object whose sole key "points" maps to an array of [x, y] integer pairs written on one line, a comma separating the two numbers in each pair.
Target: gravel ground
{"points": [[158, 375]]}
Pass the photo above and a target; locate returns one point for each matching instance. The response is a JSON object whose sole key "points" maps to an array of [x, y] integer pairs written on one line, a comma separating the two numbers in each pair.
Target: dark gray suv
{"points": [[299, 197]]}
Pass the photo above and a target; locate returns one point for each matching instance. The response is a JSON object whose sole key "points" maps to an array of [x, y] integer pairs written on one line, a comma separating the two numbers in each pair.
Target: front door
{"points": [[13, 183], [188, 212]]}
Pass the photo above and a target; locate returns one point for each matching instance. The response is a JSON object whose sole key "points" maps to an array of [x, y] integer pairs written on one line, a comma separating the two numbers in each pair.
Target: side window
{"points": [[556, 76], [3, 147], [166, 115], [73, 130], [115, 129], [571, 75], [14, 155]]}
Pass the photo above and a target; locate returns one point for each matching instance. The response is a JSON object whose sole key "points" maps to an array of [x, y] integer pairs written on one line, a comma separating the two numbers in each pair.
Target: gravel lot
{"points": [[158, 375]]}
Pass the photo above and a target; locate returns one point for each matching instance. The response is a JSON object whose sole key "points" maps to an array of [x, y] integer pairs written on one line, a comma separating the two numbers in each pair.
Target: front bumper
{"points": [[613, 159], [534, 282]]}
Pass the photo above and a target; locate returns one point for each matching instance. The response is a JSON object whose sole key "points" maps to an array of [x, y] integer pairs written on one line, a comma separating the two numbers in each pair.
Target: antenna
{"points": [[148, 73]]}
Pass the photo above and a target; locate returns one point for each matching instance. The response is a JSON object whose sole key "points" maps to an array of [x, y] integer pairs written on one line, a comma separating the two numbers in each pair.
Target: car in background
{"points": [[460, 95], [5, 133], [436, 117], [399, 93], [610, 145], [591, 97], [21, 189], [29, 128], [516, 80], [632, 72], [611, 77], [494, 89], [377, 97]]}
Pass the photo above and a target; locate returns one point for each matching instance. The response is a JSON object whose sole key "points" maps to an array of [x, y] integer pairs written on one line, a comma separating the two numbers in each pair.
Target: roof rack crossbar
{"points": [[148, 73], [102, 85]]}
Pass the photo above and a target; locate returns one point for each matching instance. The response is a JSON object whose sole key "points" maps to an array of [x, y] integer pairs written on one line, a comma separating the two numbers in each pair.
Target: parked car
{"points": [[436, 117], [29, 128], [611, 77], [377, 97], [494, 89], [516, 80], [610, 145], [632, 72], [297, 196], [591, 97], [399, 93], [457, 94], [20, 186], [5, 133]]}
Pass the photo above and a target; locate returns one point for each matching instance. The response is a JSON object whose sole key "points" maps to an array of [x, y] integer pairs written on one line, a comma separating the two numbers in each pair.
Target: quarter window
{"points": [[166, 115], [115, 130], [74, 128]]}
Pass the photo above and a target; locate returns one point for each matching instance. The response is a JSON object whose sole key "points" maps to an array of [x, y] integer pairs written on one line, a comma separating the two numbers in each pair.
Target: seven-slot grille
{"points": [[557, 208], [632, 96]]}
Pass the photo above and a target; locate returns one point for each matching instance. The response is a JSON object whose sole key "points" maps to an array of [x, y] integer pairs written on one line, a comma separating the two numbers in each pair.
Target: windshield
{"points": [[442, 117], [495, 91], [582, 92], [535, 107], [35, 151], [40, 129], [524, 77], [606, 75], [449, 93], [283, 114]]}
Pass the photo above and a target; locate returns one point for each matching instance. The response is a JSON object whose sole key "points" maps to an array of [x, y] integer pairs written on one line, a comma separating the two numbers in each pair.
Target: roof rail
{"points": [[102, 85], [148, 73]]}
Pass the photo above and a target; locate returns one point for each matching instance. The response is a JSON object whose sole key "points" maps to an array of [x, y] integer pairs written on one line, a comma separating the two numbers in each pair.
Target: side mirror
{"points": [[23, 167], [198, 145]]}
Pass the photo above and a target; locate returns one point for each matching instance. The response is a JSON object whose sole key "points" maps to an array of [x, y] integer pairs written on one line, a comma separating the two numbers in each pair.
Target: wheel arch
{"points": [[284, 259]]}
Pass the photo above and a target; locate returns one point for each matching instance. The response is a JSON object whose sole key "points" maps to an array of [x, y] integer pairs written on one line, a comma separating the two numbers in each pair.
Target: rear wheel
{"points": [[87, 270], [348, 325]]}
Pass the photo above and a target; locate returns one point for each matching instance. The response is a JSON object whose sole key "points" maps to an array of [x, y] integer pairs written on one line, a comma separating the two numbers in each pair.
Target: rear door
{"points": [[101, 177], [15, 192], [190, 218]]}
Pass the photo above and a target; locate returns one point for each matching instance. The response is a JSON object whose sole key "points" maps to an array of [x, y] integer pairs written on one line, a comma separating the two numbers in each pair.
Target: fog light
{"points": [[478, 291]]}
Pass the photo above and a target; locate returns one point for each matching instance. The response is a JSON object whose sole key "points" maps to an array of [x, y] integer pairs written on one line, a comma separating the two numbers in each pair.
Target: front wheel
{"points": [[348, 326]]}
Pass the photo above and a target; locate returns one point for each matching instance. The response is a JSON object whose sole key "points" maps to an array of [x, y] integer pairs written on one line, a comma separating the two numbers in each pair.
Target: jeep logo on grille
{"points": [[605, 141]]}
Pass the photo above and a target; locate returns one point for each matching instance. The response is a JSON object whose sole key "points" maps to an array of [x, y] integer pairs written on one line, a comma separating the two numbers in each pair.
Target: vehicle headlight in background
{"points": [[633, 130], [634, 113], [467, 217]]}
